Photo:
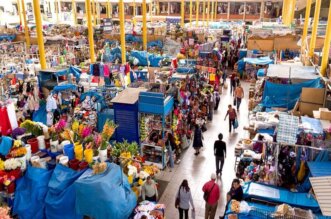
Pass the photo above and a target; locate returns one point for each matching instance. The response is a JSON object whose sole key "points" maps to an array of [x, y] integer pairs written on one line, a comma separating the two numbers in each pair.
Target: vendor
{"points": [[149, 190], [258, 146], [236, 191]]}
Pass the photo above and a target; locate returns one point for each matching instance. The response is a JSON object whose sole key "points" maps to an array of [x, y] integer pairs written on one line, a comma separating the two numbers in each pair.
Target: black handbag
{"points": [[234, 101], [177, 199]]}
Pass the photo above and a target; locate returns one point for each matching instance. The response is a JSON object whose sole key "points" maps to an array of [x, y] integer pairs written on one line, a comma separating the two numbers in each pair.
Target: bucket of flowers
{"points": [[18, 152]]}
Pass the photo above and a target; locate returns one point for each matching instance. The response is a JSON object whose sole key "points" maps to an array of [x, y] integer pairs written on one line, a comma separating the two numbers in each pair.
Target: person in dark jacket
{"points": [[197, 141], [220, 153], [236, 191]]}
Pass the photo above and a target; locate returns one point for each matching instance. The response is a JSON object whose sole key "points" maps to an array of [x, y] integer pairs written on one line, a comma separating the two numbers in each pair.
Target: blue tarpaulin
{"points": [[62, 72], [143, 56], [7, 37], [155, 43], [105, 195], [259, 61], [61, 196], [285, 95], [131, 38], [280, 195], [76, 72], [318, 169], [40, 114], [30, 193], [64, 87]]}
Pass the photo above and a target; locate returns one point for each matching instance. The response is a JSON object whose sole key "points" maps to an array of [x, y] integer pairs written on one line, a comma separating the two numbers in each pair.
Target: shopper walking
{"points": [[184, 199], [171, 147], [220, 153], [217, 99], [233, 82], [232, 117], [211, 195], [238, 95], [197, 141], [149, 190]]}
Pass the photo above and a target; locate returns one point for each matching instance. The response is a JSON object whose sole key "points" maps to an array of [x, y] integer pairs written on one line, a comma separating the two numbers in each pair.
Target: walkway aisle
{"points": [[197, 169]]}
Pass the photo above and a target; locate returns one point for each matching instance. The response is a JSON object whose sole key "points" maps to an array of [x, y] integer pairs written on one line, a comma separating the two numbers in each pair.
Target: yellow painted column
{"points": [[134, 8], [191, 10], [182, 12], [326, 48], [19, 10], [122, 30], [108, 9], [93, 13], [74, 11], [204, 12], [291, 11], [150, 11], [212, 10], [144, 12], [25, 24], [197, 13], [285, 12], [305, 27], [40, 37], [208, 13], [97, 12], [90, 29], [314, 31]]}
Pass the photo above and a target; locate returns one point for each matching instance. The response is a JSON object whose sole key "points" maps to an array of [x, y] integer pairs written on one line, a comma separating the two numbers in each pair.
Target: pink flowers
{"points": [[59, 127], [97, 139], [86, 131]]}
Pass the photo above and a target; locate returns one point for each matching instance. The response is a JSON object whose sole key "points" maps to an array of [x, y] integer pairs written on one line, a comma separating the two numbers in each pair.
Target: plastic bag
{"points": [[244, 207], [236, 124], [193, 214]]}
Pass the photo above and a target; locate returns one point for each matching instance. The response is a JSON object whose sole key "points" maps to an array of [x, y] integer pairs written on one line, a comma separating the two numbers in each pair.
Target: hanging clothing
{"points": [[4, 122], [106, 71], [12, 115], [96, 70]]}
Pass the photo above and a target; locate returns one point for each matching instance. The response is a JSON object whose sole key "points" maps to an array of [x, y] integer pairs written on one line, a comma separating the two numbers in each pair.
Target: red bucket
{"points": [[74, 164], [47, 143], [11, 188], [34, 145], [15, 173], [83, 165]]}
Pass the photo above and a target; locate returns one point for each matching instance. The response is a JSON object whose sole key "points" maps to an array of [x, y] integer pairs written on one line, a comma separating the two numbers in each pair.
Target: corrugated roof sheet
{"points": [[322, 189]]}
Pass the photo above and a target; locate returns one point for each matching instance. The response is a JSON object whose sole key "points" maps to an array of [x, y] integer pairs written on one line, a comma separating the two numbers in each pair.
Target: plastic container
{"points": [[68, 150], [64, 160], [34, 145], [83, 165], [41, 142], [74, 164]]}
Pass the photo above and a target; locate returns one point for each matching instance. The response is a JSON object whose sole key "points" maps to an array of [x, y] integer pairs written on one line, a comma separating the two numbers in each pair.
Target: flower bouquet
{"points": [[18, 151], [4, 213], [32, 127], [13, 167]]}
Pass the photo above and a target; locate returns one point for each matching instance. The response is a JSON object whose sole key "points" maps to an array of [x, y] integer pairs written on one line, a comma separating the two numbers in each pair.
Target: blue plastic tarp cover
{"points": [[142, 56], [40, 114], [285, 95], [61, 196], [259, 61], [75, 71], [131, 38], [318, 169], [62, 72], [280, 195], [30, 193], [155, 43], [64, 87], [7, 37], [311, 125], [105, 195]]}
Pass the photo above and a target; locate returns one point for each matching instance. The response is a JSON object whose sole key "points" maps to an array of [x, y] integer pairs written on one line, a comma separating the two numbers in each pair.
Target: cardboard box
{"points": [[325, 115], [313, 95]]}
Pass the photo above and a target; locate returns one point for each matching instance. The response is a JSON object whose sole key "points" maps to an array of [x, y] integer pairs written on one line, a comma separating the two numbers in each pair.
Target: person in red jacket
{"points": [[213, 190]]}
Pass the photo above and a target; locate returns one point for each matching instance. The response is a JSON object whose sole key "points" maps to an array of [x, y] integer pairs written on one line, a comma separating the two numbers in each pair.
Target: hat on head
{"points": [[213, 176]]}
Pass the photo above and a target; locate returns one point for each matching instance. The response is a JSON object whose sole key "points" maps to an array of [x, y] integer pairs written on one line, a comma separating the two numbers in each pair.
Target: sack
{"points": [[235, 125], [193, 214]]}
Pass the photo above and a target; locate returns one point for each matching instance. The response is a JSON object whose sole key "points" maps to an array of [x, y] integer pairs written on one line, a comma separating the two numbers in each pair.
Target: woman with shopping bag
{"points": [[184, 199]]}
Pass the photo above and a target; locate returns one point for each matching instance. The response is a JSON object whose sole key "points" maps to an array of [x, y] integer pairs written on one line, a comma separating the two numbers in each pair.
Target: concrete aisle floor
{"points": [[197, 169]]}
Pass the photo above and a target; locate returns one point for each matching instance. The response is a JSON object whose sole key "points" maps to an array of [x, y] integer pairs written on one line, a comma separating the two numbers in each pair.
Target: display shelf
{"points": [[154, 154]]}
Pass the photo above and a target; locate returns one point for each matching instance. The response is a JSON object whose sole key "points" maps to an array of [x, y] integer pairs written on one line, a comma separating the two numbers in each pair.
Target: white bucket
{"points": [[41, 142], [28, 151]]}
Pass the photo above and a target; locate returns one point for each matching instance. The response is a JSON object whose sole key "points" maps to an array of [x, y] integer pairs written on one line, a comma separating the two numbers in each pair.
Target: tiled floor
{"points": [[197, 169]]}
